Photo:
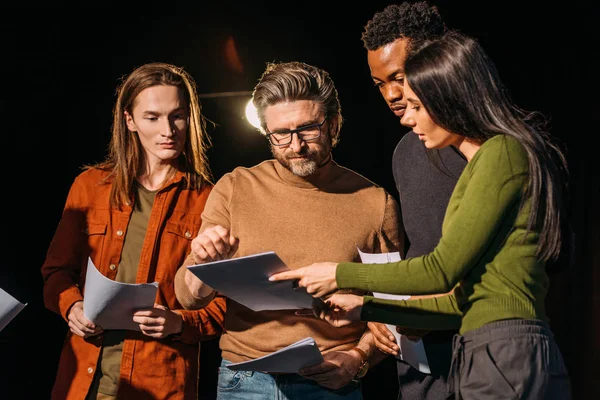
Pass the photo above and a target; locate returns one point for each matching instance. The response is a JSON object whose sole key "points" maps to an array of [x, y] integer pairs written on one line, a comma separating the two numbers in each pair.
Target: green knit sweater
{"points": [[484, 253]]}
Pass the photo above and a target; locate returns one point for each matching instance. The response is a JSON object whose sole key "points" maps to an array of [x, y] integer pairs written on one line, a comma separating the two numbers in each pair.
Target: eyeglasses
{"points": [[306, 133]]}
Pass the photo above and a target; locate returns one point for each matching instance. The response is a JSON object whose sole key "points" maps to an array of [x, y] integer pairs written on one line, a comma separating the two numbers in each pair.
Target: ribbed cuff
{"points": [[350, 275]]}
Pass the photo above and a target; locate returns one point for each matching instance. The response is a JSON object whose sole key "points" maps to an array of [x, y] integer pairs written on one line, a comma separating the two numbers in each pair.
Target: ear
{"points": [[129, 121], [332, 125]]}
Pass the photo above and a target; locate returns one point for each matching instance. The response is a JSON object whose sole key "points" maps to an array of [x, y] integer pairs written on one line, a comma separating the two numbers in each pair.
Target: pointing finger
{"points": [[281, 276]]}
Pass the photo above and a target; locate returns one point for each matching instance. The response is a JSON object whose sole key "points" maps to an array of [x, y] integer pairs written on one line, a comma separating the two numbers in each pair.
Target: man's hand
{"points": [[336, 371], [158, 322], [384, 339], [80, 325], [214, 244]]}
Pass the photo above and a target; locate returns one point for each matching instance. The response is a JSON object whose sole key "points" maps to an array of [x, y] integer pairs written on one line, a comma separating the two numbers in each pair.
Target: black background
{"points": [[60, 67]]}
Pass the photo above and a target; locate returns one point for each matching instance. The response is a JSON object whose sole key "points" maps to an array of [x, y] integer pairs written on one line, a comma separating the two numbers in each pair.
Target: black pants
{"points": [[415, 385], [511, 359]]}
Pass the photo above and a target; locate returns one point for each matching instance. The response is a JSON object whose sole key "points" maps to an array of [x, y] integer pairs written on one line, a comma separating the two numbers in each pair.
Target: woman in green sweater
{"points": [[502, 225]]}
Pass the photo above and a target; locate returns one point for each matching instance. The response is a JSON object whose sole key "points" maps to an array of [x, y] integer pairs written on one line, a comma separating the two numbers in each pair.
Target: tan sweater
{"points": [[322, 218]]}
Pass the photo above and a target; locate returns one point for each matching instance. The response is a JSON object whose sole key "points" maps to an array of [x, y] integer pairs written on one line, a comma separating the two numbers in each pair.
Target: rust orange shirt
{"points": [[90, 227]]}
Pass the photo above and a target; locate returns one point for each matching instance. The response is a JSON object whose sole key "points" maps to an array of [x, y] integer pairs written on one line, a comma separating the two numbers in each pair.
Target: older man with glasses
{"points": [[305, 207]]}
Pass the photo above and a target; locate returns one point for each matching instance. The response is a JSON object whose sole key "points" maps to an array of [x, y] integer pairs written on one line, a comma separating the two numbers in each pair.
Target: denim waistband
{"points": [[225, 363]]}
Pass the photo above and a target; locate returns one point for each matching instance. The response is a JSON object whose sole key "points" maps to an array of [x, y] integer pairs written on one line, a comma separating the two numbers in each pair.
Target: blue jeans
{"points": [[251, 385]]}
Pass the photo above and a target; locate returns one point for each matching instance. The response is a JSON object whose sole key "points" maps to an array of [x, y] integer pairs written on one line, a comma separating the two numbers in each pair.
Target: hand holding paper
{"points": [[341, 309], [111, 304], [79, 324], [336, 370], [214, 244], [158, 322]]}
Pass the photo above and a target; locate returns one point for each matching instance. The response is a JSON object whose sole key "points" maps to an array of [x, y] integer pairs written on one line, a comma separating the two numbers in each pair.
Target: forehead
{"points": [[159, 97], [409, 93], [289, 115], [389, 58]]}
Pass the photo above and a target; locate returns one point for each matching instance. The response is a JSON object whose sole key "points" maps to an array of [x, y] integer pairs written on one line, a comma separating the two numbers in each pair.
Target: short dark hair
{"points": [[415, 21]]}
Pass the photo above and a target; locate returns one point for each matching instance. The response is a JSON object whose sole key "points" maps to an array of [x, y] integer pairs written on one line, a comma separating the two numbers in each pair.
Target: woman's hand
{"points": [[340, 309], [318, 278]]}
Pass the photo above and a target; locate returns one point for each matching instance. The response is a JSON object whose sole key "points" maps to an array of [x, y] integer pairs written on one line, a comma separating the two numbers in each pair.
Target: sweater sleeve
{"points": [[432, 313], [493, 185], [184, 296], [216, 212], [392, 230], [203, 324], [218, 205]]}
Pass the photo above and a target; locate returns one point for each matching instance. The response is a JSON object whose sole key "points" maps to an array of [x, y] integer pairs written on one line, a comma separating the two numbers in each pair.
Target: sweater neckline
{"points": [[323, 175]]}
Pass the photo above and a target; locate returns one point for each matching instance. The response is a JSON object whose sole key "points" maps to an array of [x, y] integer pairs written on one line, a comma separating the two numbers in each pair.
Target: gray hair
{"points": [[292, 81]]}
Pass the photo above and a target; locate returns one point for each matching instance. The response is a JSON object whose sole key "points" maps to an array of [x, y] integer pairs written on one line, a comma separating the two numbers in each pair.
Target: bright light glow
{"points": [[251, 115]]}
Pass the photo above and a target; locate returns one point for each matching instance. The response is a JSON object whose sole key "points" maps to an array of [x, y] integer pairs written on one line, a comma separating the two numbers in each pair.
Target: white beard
{"points": [[303, 168]]}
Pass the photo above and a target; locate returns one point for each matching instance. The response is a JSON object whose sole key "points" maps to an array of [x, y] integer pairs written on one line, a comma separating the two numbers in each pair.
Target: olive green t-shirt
{"points": [[112, 344]]}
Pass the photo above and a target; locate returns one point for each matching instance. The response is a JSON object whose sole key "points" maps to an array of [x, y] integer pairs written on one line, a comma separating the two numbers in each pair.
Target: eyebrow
{"points": [[152, 112], [391, 75], [285, 130]]}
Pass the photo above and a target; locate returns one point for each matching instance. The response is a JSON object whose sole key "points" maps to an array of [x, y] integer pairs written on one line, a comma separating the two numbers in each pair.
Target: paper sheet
{"points": [[9, 308], [410, 352], [290, 359], [111, 304], [246, 280]]}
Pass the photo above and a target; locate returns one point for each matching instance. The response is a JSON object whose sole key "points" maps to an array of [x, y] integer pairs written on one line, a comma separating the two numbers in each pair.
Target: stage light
{"points": [[250, 111], [251, 115]]}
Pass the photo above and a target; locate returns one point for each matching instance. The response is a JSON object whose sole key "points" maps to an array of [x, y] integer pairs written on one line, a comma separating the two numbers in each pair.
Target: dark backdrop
{"points": [[61, 66]]}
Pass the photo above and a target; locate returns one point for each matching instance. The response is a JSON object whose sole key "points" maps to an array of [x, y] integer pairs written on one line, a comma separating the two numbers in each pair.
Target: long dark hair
{"points": [[461, 90]]}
